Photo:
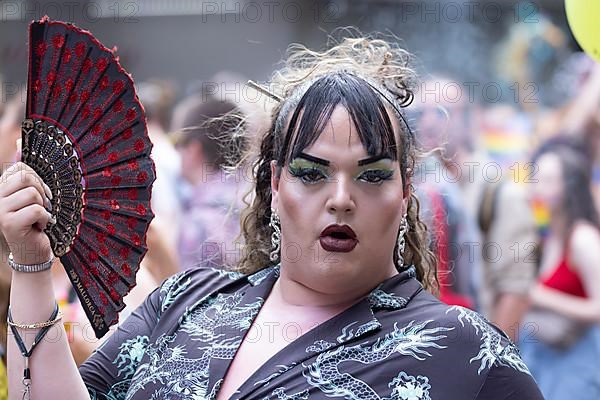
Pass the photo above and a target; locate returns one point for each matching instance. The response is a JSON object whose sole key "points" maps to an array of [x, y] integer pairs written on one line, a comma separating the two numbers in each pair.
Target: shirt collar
{"points": [[345, 329], [389, 294]]}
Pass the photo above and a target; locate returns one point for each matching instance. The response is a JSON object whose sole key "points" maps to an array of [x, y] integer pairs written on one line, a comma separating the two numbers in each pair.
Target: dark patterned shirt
{"points": [[398, 343]]}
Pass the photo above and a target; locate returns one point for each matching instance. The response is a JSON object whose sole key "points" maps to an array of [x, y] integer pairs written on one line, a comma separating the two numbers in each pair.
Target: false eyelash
{"points": [[382, 175], [302, 173]]}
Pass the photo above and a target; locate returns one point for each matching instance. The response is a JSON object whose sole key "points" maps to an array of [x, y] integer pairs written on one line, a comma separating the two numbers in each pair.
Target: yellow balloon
{"points": [[584, 20]]}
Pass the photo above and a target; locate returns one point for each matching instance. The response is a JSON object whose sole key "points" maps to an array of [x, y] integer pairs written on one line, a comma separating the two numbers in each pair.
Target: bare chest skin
{"points": [[552, 255], [275, 326]]}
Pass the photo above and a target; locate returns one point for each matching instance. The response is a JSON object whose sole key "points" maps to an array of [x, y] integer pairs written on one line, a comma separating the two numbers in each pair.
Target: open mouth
{"points": [[339, 235], [338, 238]]}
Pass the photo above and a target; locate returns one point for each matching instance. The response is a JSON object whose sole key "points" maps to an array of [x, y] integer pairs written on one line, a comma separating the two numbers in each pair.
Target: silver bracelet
{"points": [[29, 268]]}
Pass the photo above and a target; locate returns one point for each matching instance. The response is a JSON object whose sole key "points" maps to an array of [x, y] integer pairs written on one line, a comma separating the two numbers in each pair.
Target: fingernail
{"points": [[19, 148], [48, 191], [52, 219], [48, 204]]}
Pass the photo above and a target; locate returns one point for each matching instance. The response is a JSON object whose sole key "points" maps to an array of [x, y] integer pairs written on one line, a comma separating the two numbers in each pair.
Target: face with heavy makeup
{"points": [[335, 181]]}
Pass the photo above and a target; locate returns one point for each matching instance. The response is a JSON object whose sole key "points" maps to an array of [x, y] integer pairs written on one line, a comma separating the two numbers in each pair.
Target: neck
{"points": [[558, 224], [294, 293]]}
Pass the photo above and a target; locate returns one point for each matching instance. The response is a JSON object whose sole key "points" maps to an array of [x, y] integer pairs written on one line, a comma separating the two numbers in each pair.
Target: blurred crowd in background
{"points": [[509, 184]]}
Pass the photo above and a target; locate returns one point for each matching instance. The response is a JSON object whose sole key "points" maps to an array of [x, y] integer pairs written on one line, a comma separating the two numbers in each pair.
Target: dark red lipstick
{"points": [[338, 238]]}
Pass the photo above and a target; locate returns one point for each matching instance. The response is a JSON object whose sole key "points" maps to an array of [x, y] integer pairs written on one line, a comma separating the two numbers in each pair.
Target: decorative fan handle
{"points": [[49, 152]]}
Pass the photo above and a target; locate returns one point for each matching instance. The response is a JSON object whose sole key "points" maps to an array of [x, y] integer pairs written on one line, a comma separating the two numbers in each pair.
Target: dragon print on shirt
{"points": [[380, 299], [130, 354], [319, 346], [258, 277], [232, 275], [172, 288], [348, 333], [412, 340], [406, 387], [279, 394], [397, 343], [168, 363], [281, 370], [491, 349]]}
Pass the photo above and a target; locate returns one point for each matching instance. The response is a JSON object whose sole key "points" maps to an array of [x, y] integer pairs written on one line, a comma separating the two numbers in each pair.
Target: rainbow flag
{"points": [[541, 216], [505, 147]]}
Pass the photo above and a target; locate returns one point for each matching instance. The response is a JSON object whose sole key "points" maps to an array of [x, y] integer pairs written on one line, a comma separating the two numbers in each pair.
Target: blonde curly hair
{"points": [[384, 66]]}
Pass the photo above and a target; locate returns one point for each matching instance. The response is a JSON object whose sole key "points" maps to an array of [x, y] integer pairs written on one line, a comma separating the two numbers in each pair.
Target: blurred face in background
{"points": [[192, 160], [432, 123], [443, 117], [330, 184], [548, 186]]}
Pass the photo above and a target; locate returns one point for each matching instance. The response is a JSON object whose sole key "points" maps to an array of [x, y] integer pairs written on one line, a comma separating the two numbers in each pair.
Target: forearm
{"points": [[577, 308], [54, 374], [509, 311]]}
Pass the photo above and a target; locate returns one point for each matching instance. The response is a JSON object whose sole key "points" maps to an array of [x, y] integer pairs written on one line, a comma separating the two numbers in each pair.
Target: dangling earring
{"points": [[401, 242], [275, 223]]}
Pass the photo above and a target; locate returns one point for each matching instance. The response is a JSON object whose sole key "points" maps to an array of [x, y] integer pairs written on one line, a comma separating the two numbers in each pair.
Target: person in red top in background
{"points": [[560, 340]]}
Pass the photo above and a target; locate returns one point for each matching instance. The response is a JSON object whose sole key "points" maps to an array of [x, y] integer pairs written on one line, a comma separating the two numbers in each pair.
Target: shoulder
{"points": [[472, 350], [500, 378], [200, 273], [584, 244], [460, 318], [194, 283], [584, 235], [471, 336]]}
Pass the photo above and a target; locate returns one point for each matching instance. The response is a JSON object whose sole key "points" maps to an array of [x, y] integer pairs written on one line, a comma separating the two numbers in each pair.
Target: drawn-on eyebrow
{"points": [[322, 161], [371, 160], [313, 159]]}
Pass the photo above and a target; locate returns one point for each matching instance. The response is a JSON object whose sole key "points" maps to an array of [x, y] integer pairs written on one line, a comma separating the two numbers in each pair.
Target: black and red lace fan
{"points": [[85, 135]]}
